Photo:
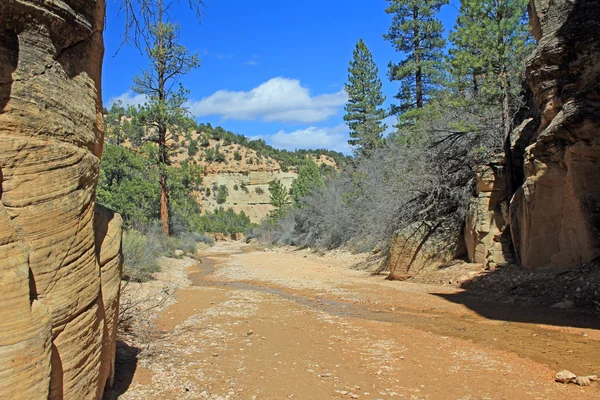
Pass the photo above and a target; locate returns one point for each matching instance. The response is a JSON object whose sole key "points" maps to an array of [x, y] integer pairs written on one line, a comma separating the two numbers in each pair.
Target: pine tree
{"points": [[279, 199], [309, 179], [164, 113], [364, 115], [491, 41], [417, 32]]}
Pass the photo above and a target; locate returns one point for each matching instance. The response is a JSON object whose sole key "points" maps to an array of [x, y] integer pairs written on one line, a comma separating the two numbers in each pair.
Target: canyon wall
{"points": [[555, 214], [244, 173], [60, 254], [248, 191]]}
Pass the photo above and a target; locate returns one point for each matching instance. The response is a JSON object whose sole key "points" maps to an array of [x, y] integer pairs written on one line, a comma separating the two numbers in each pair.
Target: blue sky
{"points": [[270, 69]]}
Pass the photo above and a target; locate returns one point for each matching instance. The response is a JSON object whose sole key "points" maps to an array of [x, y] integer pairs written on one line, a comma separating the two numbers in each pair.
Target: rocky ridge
{"points": [[246, 177]]}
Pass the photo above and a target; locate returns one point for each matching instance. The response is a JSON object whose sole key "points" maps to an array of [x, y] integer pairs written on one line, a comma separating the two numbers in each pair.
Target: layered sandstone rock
{"points": [[487, 238], [60, 257], [423, 246], [248, 191], [555, 215]]}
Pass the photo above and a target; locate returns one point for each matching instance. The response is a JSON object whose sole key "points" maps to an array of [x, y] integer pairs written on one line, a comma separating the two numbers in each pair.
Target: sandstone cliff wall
{"points": [[555, 215], [247, 191], [487, 237], [553, 218], [246, 178], [60, 255]]}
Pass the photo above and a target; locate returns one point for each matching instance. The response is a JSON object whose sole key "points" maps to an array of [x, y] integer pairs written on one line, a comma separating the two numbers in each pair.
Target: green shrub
{"points": [[209, 155], [222, 193], [201, 238], [237, 156], [219, 157], [259, 190], [193, 148], [140, 259], [224, 221]]}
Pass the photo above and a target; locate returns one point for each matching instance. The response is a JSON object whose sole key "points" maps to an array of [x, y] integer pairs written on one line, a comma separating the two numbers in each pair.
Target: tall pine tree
{"points": [[164, 113], [364, 114], [491, 41], [417, 32], [279, 199]]}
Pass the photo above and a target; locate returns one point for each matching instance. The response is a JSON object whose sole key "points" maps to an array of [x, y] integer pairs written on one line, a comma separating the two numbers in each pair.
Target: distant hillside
{"points": [[236, 171]]}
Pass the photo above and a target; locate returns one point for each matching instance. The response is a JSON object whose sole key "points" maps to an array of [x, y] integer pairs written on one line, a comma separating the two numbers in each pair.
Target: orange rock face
{"points": [[487, 238], [60, 257], [555, 215]]}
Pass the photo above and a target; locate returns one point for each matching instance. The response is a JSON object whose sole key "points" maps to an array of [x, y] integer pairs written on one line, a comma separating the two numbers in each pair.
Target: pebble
{"points": [[326, 375], [564, 305]]}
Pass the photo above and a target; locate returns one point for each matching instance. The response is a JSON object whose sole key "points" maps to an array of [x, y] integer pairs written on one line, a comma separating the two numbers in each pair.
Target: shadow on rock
{"points": [[125, 366]]}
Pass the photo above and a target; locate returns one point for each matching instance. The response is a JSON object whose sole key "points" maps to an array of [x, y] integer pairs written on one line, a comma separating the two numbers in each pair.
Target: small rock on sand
{"points": [[564, 305]]}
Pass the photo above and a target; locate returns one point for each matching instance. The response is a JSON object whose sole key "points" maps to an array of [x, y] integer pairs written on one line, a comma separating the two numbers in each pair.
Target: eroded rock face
{"points": [[60, 258], [423, 246], [487, 238], [248, 191], [555, 215]]}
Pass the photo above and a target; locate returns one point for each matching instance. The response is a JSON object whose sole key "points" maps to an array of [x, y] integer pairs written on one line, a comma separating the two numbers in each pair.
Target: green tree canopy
{"points": [[364, 114], [417, 32], [491, 41], [309, 179], [280, 200]]}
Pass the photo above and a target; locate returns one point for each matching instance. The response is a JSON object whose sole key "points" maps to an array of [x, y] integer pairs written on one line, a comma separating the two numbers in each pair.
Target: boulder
{"points": [[423, 246], [60, 257], [555, 215]]}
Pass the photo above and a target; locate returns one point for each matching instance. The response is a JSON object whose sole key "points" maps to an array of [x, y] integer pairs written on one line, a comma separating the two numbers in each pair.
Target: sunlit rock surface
{"points": [[60, 257]]}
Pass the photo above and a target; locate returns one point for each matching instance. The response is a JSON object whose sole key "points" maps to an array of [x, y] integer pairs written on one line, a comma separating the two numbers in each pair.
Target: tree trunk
{"points": [[164, 204], [419, 87]]}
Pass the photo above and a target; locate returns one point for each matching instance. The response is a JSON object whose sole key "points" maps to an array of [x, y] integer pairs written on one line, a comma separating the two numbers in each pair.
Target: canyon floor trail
{"points": [[284, 323]]}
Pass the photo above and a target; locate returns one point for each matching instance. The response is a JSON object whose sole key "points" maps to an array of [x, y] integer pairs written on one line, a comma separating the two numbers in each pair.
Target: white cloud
{"points": [[279, 99], [128, 99], [252, 63], [335, 138]]}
